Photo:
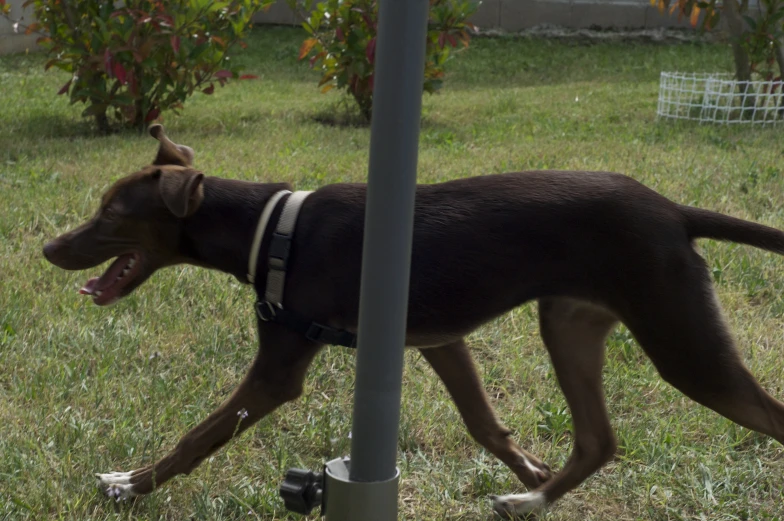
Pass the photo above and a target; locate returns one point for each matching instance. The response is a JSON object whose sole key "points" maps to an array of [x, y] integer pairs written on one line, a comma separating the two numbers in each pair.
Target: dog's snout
{"points": [[55, 252], [49, 250]]}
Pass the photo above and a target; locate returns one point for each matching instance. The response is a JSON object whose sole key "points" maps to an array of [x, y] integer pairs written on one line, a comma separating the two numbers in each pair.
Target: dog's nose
{"points": [[49, 249]]}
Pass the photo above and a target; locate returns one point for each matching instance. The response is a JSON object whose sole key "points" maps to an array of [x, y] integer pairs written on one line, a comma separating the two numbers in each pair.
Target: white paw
{"points": [[519, 505], [540, 474], [116, 485]]}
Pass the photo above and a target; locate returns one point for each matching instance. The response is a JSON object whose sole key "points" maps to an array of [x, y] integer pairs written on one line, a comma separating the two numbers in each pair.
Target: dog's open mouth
{"points": [[106, 288]]}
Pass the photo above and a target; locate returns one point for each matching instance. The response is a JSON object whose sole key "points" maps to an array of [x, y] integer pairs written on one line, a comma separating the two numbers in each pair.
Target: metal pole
{"points": [[386, 258], [365, 487]]}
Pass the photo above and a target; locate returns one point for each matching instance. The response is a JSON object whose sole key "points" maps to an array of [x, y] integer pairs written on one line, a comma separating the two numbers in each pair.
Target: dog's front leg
{"points": [[275, 377]]}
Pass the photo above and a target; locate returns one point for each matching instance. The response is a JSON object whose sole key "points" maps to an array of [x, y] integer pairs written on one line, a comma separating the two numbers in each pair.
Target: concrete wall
{"points": [[16, 42], [516, 15], [508, 15]]}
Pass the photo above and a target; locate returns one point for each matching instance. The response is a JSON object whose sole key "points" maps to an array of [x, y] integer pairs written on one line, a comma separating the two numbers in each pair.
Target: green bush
{"points": [[765, 38], [757, 34], [342, 42], [135, 59]]}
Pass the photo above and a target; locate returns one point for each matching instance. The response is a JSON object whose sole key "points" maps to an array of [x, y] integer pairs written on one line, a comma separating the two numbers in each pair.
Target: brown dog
{"points": [[593, 249]]}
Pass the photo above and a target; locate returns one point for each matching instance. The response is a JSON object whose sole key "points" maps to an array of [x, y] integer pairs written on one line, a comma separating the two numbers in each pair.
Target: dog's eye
{"points": [[109, 214]]}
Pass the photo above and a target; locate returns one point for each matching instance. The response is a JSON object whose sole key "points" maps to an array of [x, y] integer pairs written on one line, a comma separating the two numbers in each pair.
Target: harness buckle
{"points": [[316, 332], [265, 310], [329, 335]]}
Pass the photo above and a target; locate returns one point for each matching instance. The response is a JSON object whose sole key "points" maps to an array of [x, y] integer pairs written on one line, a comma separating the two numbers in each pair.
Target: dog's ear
{"points": [[182, 191], [170, 153]]}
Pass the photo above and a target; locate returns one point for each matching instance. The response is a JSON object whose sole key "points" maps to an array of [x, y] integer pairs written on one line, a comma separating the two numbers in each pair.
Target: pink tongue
{"points": [[89, 287], [108, 278]]}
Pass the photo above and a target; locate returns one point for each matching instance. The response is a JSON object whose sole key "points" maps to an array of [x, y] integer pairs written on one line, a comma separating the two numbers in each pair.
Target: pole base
{"points": [[346, 500]]}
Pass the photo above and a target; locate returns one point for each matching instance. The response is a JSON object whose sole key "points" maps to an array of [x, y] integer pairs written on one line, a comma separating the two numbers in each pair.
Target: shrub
{"points": [[134, 59], [758, 41], [764, 39], [342, 43]]}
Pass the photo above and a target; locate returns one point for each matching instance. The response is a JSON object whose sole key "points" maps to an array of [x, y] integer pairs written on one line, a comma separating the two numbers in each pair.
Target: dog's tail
{"points": [[713, 225]]}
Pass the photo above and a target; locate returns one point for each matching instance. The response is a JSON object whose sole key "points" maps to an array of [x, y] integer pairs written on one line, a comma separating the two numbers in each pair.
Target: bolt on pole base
{"points": [[346, 500], [302, 490]]}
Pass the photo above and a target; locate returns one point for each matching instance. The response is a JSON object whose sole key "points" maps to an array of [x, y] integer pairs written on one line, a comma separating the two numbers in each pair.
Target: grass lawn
{"points": [[79, 392]]}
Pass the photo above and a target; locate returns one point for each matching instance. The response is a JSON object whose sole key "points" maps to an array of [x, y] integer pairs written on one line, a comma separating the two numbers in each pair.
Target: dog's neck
{"points": [[219, 235]]}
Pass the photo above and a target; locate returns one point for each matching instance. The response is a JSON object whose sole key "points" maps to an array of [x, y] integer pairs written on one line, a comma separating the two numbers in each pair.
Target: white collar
{"points": [[260, 228]]}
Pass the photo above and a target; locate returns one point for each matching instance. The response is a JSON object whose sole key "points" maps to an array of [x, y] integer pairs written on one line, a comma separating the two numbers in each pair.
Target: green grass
{"points": [[79, 392]]}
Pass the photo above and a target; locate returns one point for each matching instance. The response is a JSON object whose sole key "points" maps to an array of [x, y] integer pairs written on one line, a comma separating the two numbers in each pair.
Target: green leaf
{"points": [[94, 110], [198, 51], [122, 99]]}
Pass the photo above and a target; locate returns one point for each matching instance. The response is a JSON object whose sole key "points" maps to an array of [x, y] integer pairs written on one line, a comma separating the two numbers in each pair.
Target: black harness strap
{"points": [[267, 311], [311, 330]]}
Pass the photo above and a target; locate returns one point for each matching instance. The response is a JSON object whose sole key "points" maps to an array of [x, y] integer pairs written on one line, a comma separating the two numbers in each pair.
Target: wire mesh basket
{"points": [[719, 98]]}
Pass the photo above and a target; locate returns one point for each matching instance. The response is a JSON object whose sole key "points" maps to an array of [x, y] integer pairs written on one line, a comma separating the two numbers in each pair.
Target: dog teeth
{"points": [[125, 271], [131, 263], [98, 293]]}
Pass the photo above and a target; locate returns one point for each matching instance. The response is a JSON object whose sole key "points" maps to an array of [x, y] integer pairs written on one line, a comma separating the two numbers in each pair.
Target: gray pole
{"points": [[386, 257], [365, 488]]}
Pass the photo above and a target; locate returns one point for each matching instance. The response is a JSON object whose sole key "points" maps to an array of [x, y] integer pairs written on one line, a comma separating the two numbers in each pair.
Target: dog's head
{"points": [[138, 224]]}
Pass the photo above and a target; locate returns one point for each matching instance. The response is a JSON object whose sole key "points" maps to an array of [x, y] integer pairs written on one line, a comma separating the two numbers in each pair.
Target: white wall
{"points": [[515, 15], [16, 42]]}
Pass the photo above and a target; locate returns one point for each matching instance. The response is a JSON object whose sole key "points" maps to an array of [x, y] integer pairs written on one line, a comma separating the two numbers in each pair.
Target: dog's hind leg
{"points": [[275, 377], [453, 364], [574, 333], [680, 327]]}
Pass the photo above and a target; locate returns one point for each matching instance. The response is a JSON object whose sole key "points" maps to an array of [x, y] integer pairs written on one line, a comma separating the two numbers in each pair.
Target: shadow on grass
{"points": [[341, 113], [341, 120], [61, 126], [40, 132]]}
